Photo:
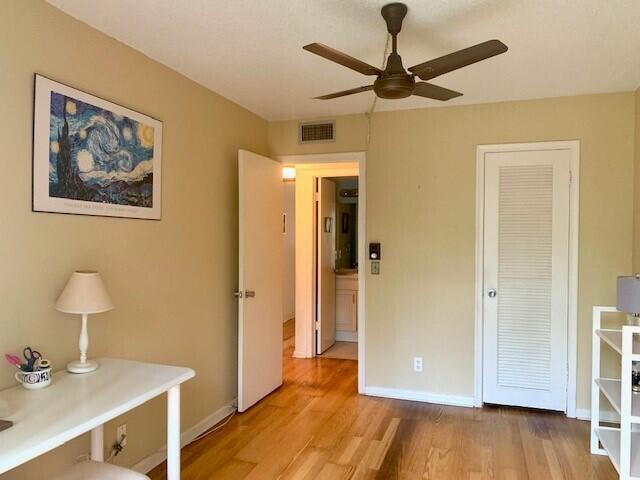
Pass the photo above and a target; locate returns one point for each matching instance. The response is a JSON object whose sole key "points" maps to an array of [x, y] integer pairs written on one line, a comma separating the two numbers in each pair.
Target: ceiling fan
{"points": [[394, 81]]}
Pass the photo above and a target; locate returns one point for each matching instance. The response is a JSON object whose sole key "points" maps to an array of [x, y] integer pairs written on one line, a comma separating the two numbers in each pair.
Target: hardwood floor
{"points": [[316, 426], [342, 350], [288, 332]]}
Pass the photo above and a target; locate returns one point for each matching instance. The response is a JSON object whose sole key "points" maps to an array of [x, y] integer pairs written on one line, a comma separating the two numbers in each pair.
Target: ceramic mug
{"points": [[35, 380]]}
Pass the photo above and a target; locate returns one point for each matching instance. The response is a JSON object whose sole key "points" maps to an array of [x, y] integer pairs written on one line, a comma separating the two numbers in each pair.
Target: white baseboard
{"points": [[149, 463], [460, 401], [299, 355], [344, 336], [605, 416], [583, 414], [419, 396]]}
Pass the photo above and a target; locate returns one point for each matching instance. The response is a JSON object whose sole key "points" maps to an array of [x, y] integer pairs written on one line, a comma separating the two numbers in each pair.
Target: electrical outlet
{"points": [[121, 435], [417, 364]]}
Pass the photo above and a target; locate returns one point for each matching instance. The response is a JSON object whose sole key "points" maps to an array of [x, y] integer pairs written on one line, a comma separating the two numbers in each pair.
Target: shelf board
{"points": [[614, 339], [611, 337], [610, 387], [610, 440]]}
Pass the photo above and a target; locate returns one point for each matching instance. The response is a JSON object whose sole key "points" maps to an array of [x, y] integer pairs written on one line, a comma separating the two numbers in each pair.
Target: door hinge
{"points": [[570, 177], [317, 325]]}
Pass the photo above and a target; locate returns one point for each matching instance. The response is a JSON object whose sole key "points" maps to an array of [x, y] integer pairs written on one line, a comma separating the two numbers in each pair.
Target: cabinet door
{"points": [[346, 310]]}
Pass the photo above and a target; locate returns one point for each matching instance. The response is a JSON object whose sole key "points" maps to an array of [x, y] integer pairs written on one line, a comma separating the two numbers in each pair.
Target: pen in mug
{"points": [[15, 361]]}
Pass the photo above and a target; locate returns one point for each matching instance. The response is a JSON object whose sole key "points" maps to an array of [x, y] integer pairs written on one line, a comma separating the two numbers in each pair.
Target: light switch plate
{"points": [[375, 268]]}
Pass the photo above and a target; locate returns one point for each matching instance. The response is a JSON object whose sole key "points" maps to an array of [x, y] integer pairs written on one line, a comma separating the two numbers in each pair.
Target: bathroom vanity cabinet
{"points": [[347, 303]]}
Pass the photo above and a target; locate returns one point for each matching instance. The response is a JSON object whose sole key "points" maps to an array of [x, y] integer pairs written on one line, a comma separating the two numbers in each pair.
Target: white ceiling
{"points": [[250, 51]]}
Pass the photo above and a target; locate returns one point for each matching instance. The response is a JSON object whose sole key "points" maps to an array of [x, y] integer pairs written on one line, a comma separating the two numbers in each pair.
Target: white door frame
{"points": [[326, 165], [572, 314]]}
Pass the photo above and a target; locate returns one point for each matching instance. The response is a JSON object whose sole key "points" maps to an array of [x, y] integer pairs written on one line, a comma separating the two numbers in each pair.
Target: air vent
{"points": [[317, 132]]}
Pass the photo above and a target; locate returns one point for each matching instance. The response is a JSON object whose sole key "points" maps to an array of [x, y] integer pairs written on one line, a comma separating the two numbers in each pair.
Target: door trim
{"points": [[574, 216], [326, 165]]}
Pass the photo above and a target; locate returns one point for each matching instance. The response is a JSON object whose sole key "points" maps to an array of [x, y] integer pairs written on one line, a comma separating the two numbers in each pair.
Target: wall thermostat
{"points": [[374, 251]]}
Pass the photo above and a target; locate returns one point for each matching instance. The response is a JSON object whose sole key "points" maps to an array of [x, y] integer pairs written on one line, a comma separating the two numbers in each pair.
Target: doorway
{"points": [[261, 276], [308, 170], [526, 275], [337, 267]]}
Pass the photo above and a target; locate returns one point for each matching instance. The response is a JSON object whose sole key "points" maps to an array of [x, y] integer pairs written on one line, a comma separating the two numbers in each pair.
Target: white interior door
{"points": [[326, 304], [260, 278], [526, 265]]}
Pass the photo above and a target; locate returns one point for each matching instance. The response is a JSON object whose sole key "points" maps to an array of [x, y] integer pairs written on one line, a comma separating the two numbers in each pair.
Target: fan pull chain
{"points": [[375, 97]]}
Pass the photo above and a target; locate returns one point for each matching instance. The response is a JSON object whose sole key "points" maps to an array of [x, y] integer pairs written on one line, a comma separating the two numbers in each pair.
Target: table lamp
{"points": [[628, 297], [84, 293]]}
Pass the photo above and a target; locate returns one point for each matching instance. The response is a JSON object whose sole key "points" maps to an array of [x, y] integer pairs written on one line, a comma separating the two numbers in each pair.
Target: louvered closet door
{"points": [[526, 253]]}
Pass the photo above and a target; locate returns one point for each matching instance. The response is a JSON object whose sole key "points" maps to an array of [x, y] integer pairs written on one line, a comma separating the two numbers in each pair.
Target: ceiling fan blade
{"points": [[429, 90], [345, 92], [342, 58], [459, 59]]}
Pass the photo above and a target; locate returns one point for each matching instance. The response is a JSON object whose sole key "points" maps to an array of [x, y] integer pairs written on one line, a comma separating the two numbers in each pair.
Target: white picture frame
{"points": [[108, 161]]}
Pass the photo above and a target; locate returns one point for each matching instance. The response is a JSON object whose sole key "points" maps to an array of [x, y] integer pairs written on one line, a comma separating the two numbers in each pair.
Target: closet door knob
{"points": [[492, 293]]}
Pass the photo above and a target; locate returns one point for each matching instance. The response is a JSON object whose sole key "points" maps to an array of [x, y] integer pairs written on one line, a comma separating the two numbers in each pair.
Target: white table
{"points": [[75, 404]]}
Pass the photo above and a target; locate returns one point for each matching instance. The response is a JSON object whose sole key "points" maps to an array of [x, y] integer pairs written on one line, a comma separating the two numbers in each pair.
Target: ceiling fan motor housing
{"points": [[394, 86]]}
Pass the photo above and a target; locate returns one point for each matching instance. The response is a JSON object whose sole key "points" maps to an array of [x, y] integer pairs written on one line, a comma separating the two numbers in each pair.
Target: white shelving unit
{"points": [[622, 444]]}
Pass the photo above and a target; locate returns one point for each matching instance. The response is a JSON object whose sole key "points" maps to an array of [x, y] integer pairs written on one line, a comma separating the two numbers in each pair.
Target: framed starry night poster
{"points": [[93, 157]]}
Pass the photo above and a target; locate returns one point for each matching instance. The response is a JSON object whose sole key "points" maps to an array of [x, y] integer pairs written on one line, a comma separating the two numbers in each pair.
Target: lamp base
{"points": [[80, 367]]}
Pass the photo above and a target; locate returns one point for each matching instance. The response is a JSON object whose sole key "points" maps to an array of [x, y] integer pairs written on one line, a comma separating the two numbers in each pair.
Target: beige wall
{"points": [[421, 206], [171, 280]]}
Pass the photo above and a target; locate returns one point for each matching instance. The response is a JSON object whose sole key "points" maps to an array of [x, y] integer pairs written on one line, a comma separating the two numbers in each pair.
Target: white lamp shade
{"points": [[84, 293], [628, 294]]}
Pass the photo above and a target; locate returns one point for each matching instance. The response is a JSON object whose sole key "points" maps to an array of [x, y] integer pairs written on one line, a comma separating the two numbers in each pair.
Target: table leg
{"points": [[173, 433], [97, 444]]}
